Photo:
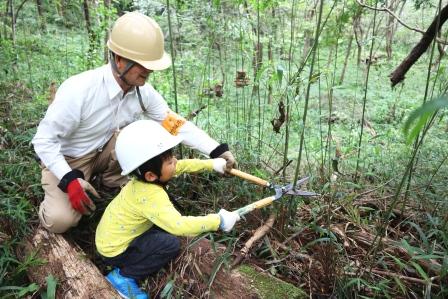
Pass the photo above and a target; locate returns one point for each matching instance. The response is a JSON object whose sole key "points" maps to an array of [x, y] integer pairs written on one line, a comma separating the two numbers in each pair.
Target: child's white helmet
{"points": [[141, 141]]}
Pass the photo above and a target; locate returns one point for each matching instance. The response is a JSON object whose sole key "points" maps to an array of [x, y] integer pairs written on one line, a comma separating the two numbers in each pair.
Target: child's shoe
{"points": [[125, 286]]}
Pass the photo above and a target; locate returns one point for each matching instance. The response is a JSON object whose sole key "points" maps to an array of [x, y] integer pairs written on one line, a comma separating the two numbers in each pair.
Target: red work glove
{"points": [[78, 197], [76, 187]]}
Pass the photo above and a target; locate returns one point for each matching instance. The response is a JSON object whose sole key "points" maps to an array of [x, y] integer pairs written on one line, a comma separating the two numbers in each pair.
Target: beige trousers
{"points": [[55, 212]]}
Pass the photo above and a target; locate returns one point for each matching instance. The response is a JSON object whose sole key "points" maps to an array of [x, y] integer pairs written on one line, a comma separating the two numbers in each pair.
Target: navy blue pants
{"points": [[147, 254]]}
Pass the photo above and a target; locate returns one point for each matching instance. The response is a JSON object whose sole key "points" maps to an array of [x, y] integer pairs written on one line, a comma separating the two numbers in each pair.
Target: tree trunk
{"points": [[308, 34], [347, 55], [90, 32], [391, 27], [270, 58], [357, 29], [13, 22], [85, 5], [60, 8], [106, 35], [41, 13], [77, 276]]}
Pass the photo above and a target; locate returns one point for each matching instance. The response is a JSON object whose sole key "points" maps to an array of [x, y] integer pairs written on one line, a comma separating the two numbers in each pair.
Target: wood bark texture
{"points": [[76, 275], [258, 234], [399, 73]]}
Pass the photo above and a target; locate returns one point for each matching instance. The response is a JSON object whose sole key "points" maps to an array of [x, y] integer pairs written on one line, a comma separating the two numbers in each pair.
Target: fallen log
{"points": [[76, 275], [202, 270]]}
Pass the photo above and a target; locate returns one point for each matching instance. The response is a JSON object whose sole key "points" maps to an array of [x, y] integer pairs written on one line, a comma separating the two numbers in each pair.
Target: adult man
{"points": [[76, 139]]}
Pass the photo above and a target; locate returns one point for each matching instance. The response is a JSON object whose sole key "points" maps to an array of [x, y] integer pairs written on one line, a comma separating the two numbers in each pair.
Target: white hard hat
{"points": [[139, 38], [141, 141]]}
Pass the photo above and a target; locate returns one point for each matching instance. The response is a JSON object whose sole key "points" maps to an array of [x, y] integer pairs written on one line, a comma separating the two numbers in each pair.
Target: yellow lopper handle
{"points": [[256, 205], [249, 177]]}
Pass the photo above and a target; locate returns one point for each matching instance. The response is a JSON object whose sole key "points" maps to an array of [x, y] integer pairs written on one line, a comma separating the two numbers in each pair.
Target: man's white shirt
{"points": [[89, 107]]}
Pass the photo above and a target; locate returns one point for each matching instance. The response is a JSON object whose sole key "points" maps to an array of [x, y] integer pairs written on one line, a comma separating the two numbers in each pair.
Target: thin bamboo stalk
{"points": [[307, 94], [364, 101]]}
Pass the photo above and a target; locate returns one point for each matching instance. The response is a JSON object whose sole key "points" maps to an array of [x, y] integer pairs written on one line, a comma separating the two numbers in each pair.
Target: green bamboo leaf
{"points": [[420, 270], [420, 232], [400, 284], [421, 115], [355, 281], [320, 240], [397, 261], [29, 289], [411, 249], [199, 238], [50, 293], [167, 290], [217, 265], [427, 257]]}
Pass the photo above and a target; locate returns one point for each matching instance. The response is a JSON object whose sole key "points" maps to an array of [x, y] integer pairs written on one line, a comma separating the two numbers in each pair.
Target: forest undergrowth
{"points": [[378, 229]]}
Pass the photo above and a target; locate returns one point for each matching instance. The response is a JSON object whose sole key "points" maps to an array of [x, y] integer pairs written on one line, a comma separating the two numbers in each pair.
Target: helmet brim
{"points": [[156, 65], [173, 142]]}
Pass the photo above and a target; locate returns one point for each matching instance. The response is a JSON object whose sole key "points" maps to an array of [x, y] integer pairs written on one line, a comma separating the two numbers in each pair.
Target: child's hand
{"points": [[219, 165], [228, 220]]}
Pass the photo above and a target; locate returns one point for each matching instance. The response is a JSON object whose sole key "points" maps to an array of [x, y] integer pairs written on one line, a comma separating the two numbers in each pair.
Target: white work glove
{"points": [[228, 220], [219, 165]]}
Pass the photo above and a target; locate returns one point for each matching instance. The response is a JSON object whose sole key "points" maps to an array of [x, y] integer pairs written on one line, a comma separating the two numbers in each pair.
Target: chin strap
{"points": [[115, 67], [121, 76]]}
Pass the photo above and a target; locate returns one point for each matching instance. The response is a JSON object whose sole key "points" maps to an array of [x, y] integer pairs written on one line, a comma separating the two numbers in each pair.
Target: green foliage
{"points": [[270, 287], [50, 293], [421, 116], [212, 41]]}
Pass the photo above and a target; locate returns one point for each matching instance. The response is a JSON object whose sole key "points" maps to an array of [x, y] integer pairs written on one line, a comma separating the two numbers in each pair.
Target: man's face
{"points": [[137, 74], [168, 169]]}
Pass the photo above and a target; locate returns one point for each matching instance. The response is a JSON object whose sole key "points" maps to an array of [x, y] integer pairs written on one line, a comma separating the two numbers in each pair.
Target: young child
{"points": [[136, 234]]}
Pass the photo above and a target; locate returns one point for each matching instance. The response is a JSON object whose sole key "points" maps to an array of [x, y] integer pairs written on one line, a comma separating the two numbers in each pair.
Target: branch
{"points": [[258, 234], [398, 74], [19, 8], [194, 113], [398, 19], [391, 13]]}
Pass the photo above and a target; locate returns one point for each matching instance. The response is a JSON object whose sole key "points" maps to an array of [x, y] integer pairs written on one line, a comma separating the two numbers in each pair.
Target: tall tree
{"points": [[41, 13], [391, 25]]}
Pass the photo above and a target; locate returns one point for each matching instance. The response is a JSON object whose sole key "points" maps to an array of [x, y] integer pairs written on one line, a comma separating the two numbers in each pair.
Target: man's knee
{"points": [[58, 221]]}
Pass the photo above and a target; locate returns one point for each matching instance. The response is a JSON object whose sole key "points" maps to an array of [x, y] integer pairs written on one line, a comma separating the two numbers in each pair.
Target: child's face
{"points": [[168, 169]]}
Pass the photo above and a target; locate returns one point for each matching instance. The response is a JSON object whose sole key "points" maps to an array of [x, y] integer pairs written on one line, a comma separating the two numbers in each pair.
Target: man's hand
{"points": [[228, 220], [76, 187], [222, 151], [80, 200], [230, 160]]}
